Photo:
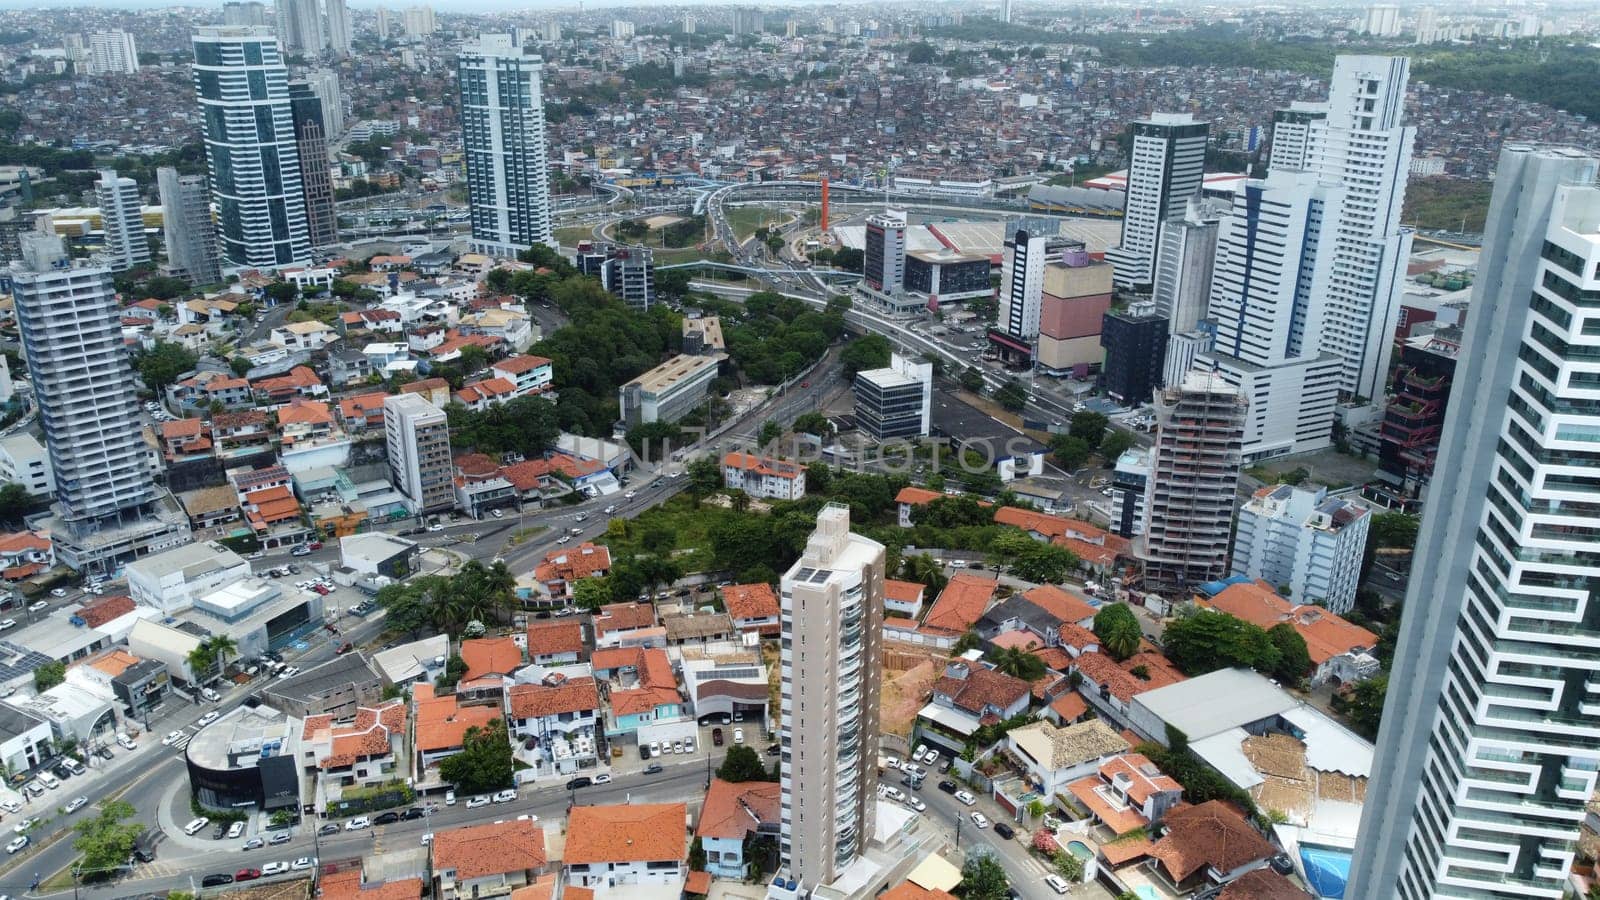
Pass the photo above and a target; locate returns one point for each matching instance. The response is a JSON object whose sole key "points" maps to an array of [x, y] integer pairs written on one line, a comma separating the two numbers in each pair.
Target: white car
{"points": [[475, 802], [208, 718], [58, 592], [601, 779], [563, 539], [427, 838], [894, 794], [126, 742], [236, 829], [966, 798], [303, 863], [358, 823], [930, 758], [1057, 883], [505, 796], [980, 820], [11, 806], [274, 868], [8, 624], [892, 762], [17, 844], [194, 826], [37, 605], [76, 804], [738, 735], [172, 738], [630, 495], [23, 826], [916, 804], [436, 527], [449, 798]]}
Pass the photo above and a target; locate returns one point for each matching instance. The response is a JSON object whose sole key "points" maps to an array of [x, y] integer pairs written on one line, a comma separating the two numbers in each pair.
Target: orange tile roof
{"points": [[1142, 778], [1119, 852], [362, 406], [497, 848], [490, 656], [1262, 884], [298, 377], [1077, 637], [649, 832], [1021, 638], [1326, 634], [916, 496], [304, 412], [1210, 834], [441, 722], [181, 428], [532, 701], [104, 609], [542, 888], [1090, 542], [750, 601], [570, 564], [697, 883], [114, 663], [424, 386], [734, 810], [22, 541], [983, 687], [902, 591], [1070, 706], [1054, 658], [907, 890], [624, 617], [960, 604], [519, 364], [762, 465], [487, 389], [347, 885], [577, 893], [549, 638], [1062, 604]]}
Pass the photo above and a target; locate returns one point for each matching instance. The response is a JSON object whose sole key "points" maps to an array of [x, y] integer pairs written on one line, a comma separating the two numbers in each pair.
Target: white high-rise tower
{"points": [[1166, 167], [1490, 745], [502, 125], [189, 236], [112, 53], [338, 27], [122, 219], [300, 26]]}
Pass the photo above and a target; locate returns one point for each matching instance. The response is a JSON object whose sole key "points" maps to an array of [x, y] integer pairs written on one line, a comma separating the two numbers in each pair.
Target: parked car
{"points": [[738, 735], [980, 820], [328, 829], [602, 778], [303, 863], [505, 796], [653, 769], [412, 814], [582, 781], [358, 823], [247, 875], [208, 718], [282, 837], [1057, 883], [236, 829], [275, 868], [966, 798], [475, 802], [1004, 830], [388, 818], [126, 742], [449, 798], [216, 880], [195, 826], [22, 826], [17, 843], [949, 787]]}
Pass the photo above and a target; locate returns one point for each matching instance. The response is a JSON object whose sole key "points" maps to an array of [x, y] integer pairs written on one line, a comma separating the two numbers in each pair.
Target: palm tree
{"points": [[221, 647], [1018, 663], [200, 661]]}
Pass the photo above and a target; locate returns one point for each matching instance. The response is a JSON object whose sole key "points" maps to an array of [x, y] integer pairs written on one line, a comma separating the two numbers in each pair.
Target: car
{"points": [[609, 510], [630, 495], [282, 837], [344, 648], [891, 762], [236, 829], [388, 818], [677, 747], [57, 592], [328, 829], [475, 802], [498, 513], [602, 779], [23, 826], [914, 770], [289, 672], [564, 538], [427, 838], [126, 742], [247, 875], [412, 814], [582, 781], [1004, 830], [435, 527], [11, 806], [505, 796], [738, 735], [256, 555], [76, 804], [33, 789], [688, 745], [775, 750], [37, 605], [916, 804], [17, 843], [1057, 883], [580, 517], [917, 753], [358, 823], [300, 550], [315, 545], [655, 749], [449, 798], [216, 880], [894, 794], [948, 786], [653, 769], [805, 384], [208, 718], [8, 624], [980, 820], [966, 798], [303, 863], [195, 826], [275, 868]]}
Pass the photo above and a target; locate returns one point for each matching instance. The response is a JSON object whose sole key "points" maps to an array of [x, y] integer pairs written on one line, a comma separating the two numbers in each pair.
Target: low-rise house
{"points": [[241, 433], [529, 374], [629, 844], [441, 725], [968, 696], [1054, 757], [384, 320], [753, 608], [555, 642], [348, 366], [368, 749], [512, 327], [184, 439], [1097, 549], [1209, 844], [480, 395], [697, 628], [433, 390], [302, 422], [562, 716], [628, 625], [763, 477], [909, 499], [564, 566], [301, 381], [304, 336], [204, 389], [479, 486], [733, 813], [1042, 611], [490, 656], [1110, 686], [24, 554], [490, 860], [1340, 650], [902, 598], [640, 686], [956, 610], [1126, 793], [351, 884], [363, 412]]}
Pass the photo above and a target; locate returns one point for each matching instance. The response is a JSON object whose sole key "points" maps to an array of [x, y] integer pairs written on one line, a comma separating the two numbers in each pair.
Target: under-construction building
{"points": [[1414, 419], [1194, 478]]}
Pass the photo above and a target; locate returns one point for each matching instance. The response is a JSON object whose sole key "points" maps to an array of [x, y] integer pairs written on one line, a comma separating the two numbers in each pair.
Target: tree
{"points": [[201, 663], [705, 475], [812, 422], [484, 763], [743, 763], [1363, 706], [1089, 427], [771, 431], [924, 570], [982, 878], [1118, 630], [162, 364], [673, 283], [1069, 866], [1114, 444], [15, 502], [1294, 661], [240, 366], [1011, 544], [1012, 395], [281, 292], [972, 379], [105, 841], [49, 675], [591, 593], [1018, 663], [473, 359], [1393, 529], [867, 352], [1045, 564], [1207, 640], [221, 647], [849, 259], [1069, 452], [921, 53]]}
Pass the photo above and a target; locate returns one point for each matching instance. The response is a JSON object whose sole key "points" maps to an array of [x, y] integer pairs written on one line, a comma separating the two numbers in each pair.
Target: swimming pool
{"points": [[1327, 869], [1080, 850], [1146, 892]]}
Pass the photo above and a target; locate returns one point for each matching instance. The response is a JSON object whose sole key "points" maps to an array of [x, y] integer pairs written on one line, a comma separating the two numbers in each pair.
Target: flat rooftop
{"points": [[236, 740], [677, 369], [1217, 701]]}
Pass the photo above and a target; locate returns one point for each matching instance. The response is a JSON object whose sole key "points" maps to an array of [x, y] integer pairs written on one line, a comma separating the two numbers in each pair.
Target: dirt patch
{"points": [[908, 676], [662, 221]]}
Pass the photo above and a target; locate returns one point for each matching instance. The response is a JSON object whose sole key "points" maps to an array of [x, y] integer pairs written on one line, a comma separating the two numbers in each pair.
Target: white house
{"points": [[173, 580], [530, 374], [1054, 757], [296, 336], [1305, 541], [24, 739], [490, 860], [760, 476], [627, 844], [561, 713]]}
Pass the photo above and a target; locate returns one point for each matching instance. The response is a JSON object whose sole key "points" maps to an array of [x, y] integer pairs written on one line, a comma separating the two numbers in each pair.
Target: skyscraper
{"points": [[189, 235], [325, 84], [419, 21], [1005, 11], [747, 20], [316, 176], [1487, 755], [1291, 135], [832, 612], [72, 338], [112, 53], [884, 260], [1267, 308], [246, 14], [502, 124], [1194, 475], [1166, 167], [300, 26], [1029, 246], [418, 439], [338, 27], [251, 150], [122, 219], [381, 23]]}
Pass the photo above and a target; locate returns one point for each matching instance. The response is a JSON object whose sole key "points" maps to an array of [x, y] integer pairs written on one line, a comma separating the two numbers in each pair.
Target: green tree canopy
{"points": [[867, 352], [742, 763], [1018, 663], [1114, 444], [1069, 452], [591, 593], [49, 675], [1089, 427], [1205, 641], [162, 364], [1294, 661], [983, 878], [15, 503], [1012, 395], [972, 379], [1118, 630], [484, 763], [106, 840]]}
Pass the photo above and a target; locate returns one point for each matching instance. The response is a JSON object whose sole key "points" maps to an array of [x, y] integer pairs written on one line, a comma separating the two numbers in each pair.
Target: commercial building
{"points": [[1166, 164], [172, 581], [1414, 420], [1303, 540], [1029, 246], [112, 53], [947, 276], [1135, 342], [1484, 761], [338, 27], [122, 218], [252, 153], [1130, 484], [1074, 299], [1268, 306], [884, 260], [832, 608], [189, 235], [895, 401], [503, 137], [23, 460], [1184, 256], [1194, 476], [316, 175], [246, 759], [375, 553], [248, 13], [630, 274], [25, 740], [669, 391], [1291, 134], [418, 439]]}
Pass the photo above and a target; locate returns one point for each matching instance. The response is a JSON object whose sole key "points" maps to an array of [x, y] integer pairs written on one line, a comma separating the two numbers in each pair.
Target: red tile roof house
{"points": [[350, 884], [629, 844], [562, 716], [1110, 686], [902, 598], [628, 625], [733, 813], [1043, 611], [561, 567], [1096, 548], [1127, 793], [530, 374], [1339, 649], [1208, 844], [640, 686], [24, 554], [490, 860], [968, 696], [753, 608], [554, 642], [959, 606], [910, 498], [369, 749]]}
